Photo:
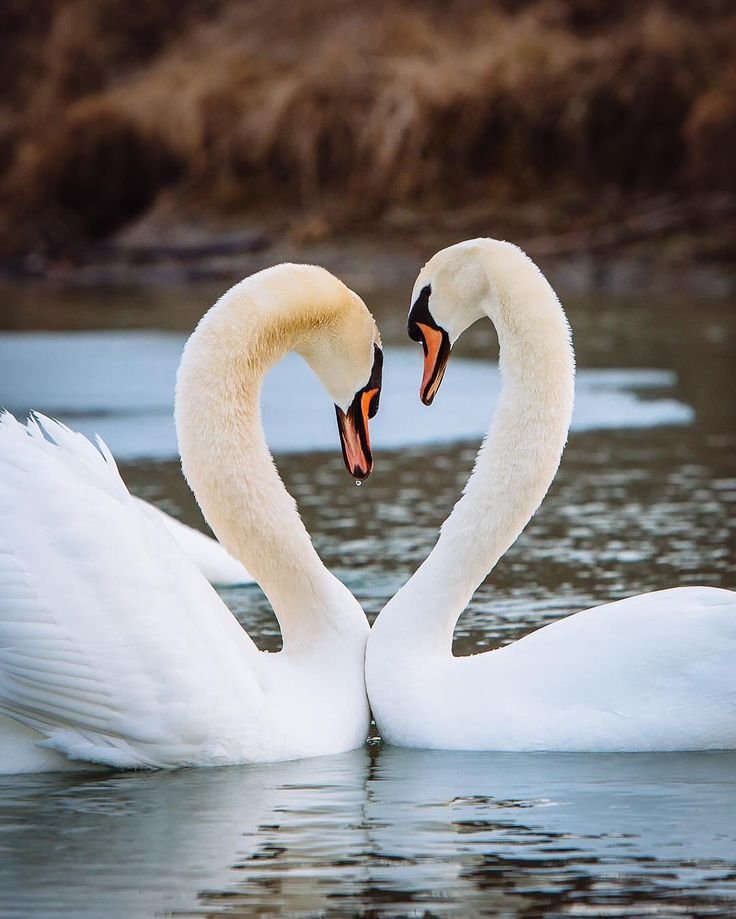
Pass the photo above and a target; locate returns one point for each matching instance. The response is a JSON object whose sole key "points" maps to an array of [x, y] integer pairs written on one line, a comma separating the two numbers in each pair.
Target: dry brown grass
{"points": [[354, 112]]}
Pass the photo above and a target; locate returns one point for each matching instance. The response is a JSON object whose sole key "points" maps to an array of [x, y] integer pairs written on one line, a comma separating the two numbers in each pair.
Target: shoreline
{"points": [[642, 268]]}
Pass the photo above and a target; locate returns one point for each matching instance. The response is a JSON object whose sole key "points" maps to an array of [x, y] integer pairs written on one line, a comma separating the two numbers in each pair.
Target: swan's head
{"points": [[345, 353], [450, 294], [284, 308]]}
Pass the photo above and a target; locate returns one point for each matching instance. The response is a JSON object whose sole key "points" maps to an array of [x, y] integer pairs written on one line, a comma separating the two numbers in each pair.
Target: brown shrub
{"points": [[351, 110], [710, 134], [103, 170]]}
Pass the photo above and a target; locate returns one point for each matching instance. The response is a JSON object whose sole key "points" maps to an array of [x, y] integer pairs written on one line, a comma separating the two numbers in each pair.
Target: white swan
{"points": [[653, 672], [113, 647], [215, 562]]}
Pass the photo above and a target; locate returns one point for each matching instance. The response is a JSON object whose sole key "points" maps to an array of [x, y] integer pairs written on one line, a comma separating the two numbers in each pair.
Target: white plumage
{"points": [[114, 649], [652, 672], [216, 564], [112, 645]]}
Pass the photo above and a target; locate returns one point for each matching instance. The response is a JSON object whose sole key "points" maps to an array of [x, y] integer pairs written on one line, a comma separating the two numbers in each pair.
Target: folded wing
{"points": [[112, 644]]}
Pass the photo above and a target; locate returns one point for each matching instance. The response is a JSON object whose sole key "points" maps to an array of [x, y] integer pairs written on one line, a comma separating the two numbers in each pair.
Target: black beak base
{"points": [[435, 343]]}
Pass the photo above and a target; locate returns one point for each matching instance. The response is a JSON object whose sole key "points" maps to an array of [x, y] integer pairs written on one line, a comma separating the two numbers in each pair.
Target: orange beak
{"points": [[354, 437], [436, 345], [353, 424]]}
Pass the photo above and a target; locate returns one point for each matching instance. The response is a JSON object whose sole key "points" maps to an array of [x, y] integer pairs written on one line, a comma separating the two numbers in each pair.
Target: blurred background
{"points": [[205, 129]]}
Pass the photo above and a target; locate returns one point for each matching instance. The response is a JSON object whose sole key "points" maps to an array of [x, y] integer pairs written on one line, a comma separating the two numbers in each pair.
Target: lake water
{"points": [[644, 500]]}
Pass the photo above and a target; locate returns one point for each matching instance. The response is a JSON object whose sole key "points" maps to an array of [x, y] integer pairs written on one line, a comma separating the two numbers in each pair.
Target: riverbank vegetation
{"points": [[325, 115]]}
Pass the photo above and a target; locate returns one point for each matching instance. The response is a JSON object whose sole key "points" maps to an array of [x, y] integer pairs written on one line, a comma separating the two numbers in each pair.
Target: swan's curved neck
{"points": [[227, 462], [517, 461]]}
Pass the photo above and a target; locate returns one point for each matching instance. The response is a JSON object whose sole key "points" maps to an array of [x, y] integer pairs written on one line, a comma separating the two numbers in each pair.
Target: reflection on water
{"points": [[383, 832], [168, 841], [379, 832], [508, 834]]}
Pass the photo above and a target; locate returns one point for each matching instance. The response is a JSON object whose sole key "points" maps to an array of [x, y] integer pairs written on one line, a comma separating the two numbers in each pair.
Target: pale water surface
{"points": [[644, 500], [125, 393]]}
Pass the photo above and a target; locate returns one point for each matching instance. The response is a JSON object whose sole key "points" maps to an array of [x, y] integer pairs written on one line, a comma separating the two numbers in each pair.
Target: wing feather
{"points": [[112, 644]]}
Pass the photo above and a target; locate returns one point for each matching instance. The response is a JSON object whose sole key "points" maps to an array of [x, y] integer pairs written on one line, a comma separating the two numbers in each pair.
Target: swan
{"points": [[114, 649], [649, 673], [215, 563]]}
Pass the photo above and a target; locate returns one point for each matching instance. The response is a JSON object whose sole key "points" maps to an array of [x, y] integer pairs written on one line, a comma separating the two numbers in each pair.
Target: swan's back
{"points": [[651, 672], [113, 647]]}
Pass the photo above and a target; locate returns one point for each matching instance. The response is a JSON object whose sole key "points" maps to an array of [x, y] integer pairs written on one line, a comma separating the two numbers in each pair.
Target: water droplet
{"points": [[358, 482]]}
